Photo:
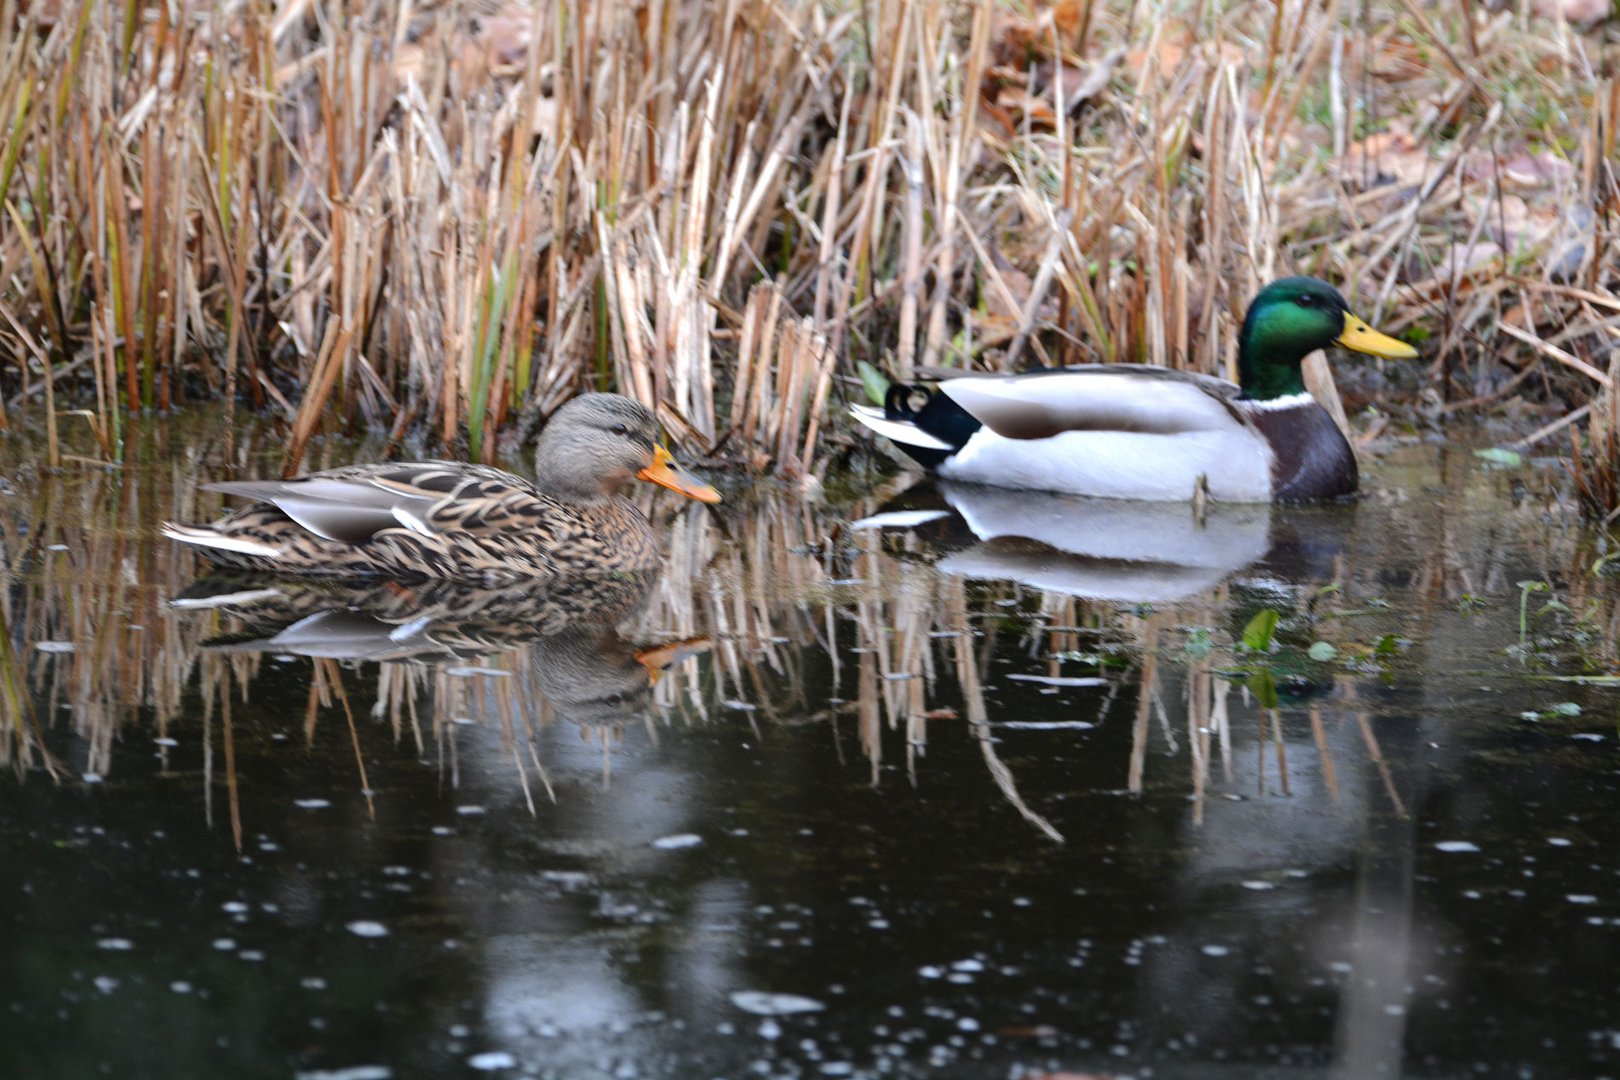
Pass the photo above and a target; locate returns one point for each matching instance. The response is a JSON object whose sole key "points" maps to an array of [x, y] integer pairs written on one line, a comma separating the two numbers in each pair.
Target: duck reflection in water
{"points": [[567, 632], [1114, 549]]}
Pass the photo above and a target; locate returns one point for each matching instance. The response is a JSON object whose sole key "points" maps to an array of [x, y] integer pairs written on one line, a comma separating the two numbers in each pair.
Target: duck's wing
{"points": [[1097, 397], [353, 505]]}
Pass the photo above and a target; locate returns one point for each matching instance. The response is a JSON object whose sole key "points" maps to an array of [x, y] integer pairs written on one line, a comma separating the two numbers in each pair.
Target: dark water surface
{"points": [[994, 794]]}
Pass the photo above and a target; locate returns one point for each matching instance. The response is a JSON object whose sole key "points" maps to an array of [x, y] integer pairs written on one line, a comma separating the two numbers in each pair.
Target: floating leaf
{"points": [[1322, 652], [1386, 645], [1258, 634], [1497, 455], [1562, 709]]}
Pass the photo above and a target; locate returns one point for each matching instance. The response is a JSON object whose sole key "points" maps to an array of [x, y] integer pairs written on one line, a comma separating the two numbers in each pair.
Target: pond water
{"points": [[907, 781]]}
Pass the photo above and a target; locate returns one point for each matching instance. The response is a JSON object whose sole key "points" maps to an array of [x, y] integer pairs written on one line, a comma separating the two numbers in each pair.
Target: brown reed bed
{"points": [[446, 218]]}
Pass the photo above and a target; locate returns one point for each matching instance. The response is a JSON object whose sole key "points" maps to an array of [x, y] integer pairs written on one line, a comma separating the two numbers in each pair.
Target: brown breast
{"points": [[1312, 459]]}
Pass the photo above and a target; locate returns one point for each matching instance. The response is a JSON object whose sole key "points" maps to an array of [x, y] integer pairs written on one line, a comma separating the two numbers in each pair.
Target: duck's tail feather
{"points": [[207, 538], [930, 433], [902, 432]]}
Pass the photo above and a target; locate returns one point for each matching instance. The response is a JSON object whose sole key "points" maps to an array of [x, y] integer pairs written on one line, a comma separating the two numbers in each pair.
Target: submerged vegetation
{"points": [[446, 218]]}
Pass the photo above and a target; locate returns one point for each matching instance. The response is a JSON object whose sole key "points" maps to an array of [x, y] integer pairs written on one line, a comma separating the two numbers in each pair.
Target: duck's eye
{"points": [[1305, 300], [620, 429]]}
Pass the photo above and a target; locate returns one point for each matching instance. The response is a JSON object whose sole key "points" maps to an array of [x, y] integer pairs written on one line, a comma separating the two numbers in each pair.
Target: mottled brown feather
{"points": [[458, 522]]}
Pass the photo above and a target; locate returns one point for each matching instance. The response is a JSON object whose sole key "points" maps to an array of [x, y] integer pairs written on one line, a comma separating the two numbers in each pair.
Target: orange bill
{"points": [[659, 660], [665, 473], [1362, 338]]}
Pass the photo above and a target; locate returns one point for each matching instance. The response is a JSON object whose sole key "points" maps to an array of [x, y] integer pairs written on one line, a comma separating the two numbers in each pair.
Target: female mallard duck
{"points": [[458, 522], [1134, 432]]}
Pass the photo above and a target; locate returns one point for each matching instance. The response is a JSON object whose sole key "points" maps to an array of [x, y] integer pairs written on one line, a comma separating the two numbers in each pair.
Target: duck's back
{"points": [[416, 520]]}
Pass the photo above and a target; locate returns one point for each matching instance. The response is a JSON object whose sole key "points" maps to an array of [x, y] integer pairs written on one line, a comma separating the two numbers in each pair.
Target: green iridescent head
{"points": [[1292, 318]]}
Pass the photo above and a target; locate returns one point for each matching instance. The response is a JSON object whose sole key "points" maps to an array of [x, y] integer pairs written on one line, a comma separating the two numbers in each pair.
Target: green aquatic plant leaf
{"points": [[1332, 588], [1498, 455], [1526, 587], [1264, 688], [873, 381], [1261, 629], [1563, 709], [1322, 652], [1200, 643]]}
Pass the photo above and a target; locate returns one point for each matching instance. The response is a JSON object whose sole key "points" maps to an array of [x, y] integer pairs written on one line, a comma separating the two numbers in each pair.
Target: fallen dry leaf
{"points": [[1459, 263], [1067, 16], [999, 75], [1575, 11], [1016, 37], [994, 329], [1517, 316], [1392, 156], [1177, 45], [995, 123], [1012, 99], [1080, 84], [1536, 170], [1013, 37], [1517, 224]]}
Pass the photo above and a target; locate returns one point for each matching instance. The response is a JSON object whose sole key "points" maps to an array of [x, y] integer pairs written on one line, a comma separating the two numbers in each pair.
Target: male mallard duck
{"points": [[459, 522], [1134, 432]]}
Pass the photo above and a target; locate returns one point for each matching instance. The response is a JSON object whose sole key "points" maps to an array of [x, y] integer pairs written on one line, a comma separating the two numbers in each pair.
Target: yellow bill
{"points": [[1362, 338], [665, 473]]}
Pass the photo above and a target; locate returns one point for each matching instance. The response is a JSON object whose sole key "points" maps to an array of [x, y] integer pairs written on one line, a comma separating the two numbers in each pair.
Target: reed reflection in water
{"points": [[905, 598], [936, 702]]}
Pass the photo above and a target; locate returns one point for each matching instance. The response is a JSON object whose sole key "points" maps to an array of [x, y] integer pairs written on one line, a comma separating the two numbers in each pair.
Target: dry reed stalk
{"points": [[1595, 466], [461, 191]]}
